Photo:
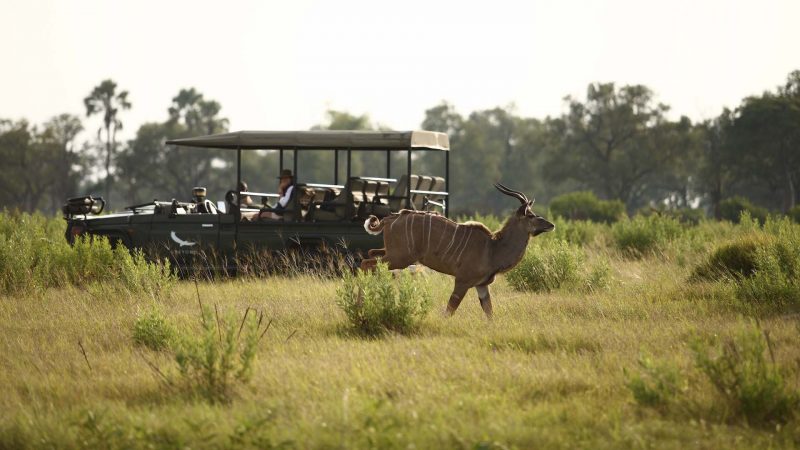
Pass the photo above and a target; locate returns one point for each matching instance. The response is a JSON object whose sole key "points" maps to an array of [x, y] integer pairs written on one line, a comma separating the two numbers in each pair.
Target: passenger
{"points": [[246, 200], [285, 190]]}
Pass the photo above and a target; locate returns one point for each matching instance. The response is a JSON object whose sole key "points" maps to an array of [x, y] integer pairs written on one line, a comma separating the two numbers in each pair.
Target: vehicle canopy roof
{"points": [[320, 140]]}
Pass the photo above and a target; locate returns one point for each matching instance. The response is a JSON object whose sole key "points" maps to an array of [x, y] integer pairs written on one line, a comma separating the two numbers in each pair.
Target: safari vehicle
{"points": [[318, 214]]}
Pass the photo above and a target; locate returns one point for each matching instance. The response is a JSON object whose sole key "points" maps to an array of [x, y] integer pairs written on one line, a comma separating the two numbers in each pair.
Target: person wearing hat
{"points": [[285, 190]]}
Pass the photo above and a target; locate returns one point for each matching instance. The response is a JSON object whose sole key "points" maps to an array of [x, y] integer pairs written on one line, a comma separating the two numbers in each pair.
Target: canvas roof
{"points": [[320, 140]]}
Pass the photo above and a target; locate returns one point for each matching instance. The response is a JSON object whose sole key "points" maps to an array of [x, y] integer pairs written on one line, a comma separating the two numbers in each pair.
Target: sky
{"points": [[279, 65]]}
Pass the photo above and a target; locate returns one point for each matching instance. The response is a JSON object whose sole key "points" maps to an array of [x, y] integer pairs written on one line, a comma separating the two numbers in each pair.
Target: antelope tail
{"points": [[373, 225]]}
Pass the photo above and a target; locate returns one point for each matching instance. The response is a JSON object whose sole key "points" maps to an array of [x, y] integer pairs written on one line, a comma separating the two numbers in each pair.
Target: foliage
{"points": [[752, 386], [732, 209], [643, 235], [615, 141], [40, 165], [554, 265], [585, 205], [764, 264], [153, 331], [35, 255], [656, 384], [736, 258], [579, 232], [106, 101], [214, 362], [374, 302]]}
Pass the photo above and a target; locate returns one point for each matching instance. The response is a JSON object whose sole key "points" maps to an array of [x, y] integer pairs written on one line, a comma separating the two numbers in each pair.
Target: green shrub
{"points": [[153, 331], [775, 281], [586, 206], [578, 232], [643, 235], [35, 255], [214, 362], [556, 264], [732, 208], [764, 264], [374, 302], [751, 386], [656, 384], [548, 267], [736, 258]]}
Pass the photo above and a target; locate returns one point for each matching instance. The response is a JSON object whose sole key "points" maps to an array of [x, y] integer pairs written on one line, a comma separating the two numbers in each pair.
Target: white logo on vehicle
{"points": [[180, 241]]}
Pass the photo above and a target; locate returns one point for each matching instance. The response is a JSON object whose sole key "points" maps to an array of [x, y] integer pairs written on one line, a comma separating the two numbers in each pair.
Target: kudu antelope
{"points": [[469, 251]]}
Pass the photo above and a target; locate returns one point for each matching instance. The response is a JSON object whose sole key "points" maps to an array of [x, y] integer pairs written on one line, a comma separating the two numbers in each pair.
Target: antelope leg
{"points": [[486, 299], [369, 264], [376, 252], [459, 291]]}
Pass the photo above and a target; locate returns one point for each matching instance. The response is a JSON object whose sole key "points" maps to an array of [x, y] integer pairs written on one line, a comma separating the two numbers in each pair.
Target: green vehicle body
{"points": [[319, 215]]}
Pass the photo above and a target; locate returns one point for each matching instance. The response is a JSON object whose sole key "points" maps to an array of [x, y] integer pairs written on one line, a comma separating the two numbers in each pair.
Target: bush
{"points": [[375, 303], [586, 206], [578, 232], [764, 264], [554, 265], [214, 362], [751, 386], [773, 283], [153, 331], [656, 384], [735, 259], [35, 255], [643, 235], [732, 208]]}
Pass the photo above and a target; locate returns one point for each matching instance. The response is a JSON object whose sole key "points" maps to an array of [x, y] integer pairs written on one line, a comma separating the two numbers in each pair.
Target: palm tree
{"points": [[105, 99]]}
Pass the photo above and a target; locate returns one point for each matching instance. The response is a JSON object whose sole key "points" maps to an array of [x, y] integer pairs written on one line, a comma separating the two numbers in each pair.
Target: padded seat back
{"points": [[370, 190], [425, 183]]}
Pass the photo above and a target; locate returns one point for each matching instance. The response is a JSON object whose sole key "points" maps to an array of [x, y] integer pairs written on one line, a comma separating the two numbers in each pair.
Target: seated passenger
{"points": [[246, 200], [285, 190]]}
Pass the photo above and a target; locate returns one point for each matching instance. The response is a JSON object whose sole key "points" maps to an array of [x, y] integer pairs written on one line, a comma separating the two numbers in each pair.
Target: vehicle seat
{"points": [[370, 190], [438, 186], [383, 193], [425, 183]]}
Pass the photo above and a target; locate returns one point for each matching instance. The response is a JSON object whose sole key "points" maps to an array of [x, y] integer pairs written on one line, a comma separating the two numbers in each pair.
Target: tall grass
{"points": [[73, 377], [35, 255]]}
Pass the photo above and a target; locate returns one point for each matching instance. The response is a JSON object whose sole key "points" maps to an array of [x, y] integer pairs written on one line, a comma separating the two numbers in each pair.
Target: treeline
{"points": [[616, 141]]}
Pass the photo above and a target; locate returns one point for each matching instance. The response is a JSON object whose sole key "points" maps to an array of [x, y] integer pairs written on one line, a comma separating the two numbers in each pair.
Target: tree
{"points": [[612, 142], [716, 171], [197, 116], [149, 169], [104, 99], [766, 138], [60, 133], [27, 171]]}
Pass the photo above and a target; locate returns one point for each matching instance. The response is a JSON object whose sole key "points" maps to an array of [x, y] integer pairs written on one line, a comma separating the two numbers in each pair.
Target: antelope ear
{"points": [[530, 202]]}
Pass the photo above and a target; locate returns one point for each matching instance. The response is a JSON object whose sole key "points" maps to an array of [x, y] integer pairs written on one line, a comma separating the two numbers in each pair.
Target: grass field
{"points": [[552, 370]]}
